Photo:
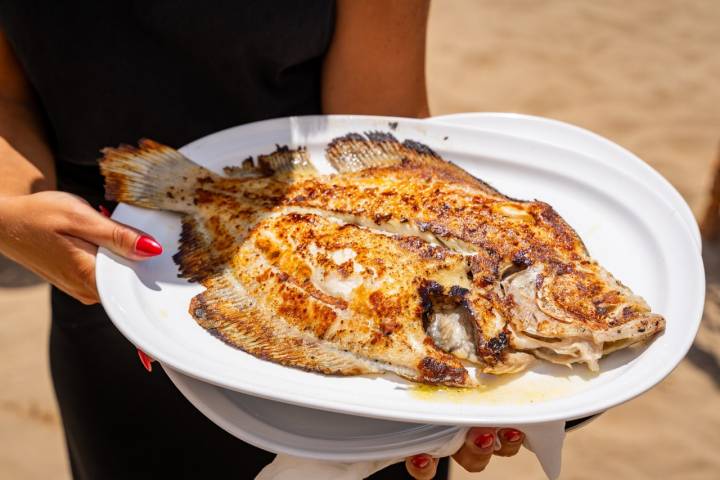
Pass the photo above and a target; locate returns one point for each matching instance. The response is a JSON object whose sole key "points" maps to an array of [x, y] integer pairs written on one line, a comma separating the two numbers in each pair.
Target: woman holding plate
{"points": [[75, 78]]}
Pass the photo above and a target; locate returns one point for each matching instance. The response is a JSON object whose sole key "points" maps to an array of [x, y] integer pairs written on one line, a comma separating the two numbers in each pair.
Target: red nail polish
{"points": [[485, 440], [145, 360], [420, 461], [511, 435], [104, 210], [148, 246]]}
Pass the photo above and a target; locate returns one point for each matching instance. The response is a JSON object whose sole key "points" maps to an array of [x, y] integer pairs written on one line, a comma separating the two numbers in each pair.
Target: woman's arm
{"points": [[54, 234], [21, 133], [376, 61]]}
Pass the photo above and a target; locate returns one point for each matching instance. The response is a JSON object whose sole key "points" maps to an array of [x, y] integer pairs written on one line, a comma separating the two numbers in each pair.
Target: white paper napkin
{"points": [[545, 440], [287, 467]]}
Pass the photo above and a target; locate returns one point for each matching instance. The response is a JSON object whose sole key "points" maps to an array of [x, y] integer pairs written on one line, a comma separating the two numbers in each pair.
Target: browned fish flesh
{"points": [[401, 262]]}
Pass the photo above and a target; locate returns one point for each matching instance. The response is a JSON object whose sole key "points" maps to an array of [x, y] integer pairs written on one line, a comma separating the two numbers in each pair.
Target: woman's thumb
{"points": [[119, 238]]}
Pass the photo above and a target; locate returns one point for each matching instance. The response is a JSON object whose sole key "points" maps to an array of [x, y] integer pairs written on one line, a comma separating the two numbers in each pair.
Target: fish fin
{"points": [[247, 169], [420, 155], [194, 257], [354, 152], [151, 175], [210, 239], [286, 162], [233, 317]]}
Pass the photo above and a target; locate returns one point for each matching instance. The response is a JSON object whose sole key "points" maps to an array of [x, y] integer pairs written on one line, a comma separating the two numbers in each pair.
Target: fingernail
{"points": [[148, 246], [420, 461], [104, 210], [485, 440], [145, 360], [511, 435]]}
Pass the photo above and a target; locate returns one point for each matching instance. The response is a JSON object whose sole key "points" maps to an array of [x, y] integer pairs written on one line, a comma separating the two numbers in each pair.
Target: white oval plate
{"points": [[627, 223]]}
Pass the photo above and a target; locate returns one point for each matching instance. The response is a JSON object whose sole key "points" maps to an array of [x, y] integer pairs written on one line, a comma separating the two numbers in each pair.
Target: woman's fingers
{"points": [[477, 451], [88, 224], [475, 454], [510, 441], [56, 235], [421, 467], [146, 360]]}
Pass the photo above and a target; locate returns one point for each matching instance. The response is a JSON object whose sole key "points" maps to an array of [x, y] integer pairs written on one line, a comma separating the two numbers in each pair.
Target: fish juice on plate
{"points": [[400, 262]]}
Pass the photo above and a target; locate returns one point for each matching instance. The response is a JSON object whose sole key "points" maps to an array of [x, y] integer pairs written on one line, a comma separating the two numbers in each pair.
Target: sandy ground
{"points": [[643, 73]]}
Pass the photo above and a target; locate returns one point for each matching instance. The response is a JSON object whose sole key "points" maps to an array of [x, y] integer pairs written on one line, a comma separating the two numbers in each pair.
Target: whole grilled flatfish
{"points": [[401, 262]]}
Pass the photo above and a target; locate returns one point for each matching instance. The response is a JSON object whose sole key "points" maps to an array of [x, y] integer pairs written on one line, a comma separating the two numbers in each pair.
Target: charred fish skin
{"points": [[400, 263]]}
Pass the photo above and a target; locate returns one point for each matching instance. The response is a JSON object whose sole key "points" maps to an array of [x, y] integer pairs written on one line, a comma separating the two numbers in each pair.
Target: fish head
{"points": [[574, 312]]}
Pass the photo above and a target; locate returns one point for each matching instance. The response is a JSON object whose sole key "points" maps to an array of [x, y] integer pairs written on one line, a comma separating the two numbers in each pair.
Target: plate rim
{"points": [[677, 200]]}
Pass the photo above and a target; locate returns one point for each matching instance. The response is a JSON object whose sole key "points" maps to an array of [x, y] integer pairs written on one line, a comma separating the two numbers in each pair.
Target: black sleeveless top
{"points": [[107, 73]]}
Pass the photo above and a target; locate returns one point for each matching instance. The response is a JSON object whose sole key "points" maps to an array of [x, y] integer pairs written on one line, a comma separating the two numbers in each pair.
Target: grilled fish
{"points": [[400, 262]]}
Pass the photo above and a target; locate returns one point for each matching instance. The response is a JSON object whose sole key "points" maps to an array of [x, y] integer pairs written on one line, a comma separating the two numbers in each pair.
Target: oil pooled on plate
{"points": [[515, 389]]}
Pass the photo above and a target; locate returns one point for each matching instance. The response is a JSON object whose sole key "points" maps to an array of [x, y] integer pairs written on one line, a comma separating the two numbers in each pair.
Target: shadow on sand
{"points": [[13, 275], [701, 355]]}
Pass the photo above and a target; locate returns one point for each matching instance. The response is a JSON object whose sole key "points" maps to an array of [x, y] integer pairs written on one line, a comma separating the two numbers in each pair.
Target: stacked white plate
{"points": [[306, 432], [632, 220]]}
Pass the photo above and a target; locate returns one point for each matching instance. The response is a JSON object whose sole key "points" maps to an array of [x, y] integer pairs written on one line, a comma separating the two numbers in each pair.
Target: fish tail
{"points": [[151, 175]]}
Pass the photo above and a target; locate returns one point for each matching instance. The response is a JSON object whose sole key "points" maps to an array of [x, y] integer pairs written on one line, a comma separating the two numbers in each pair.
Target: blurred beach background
{"points": [[643, 73]]}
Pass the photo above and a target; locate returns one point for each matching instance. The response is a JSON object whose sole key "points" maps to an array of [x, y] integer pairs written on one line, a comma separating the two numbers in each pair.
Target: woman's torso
{"points": [[174, 70]]}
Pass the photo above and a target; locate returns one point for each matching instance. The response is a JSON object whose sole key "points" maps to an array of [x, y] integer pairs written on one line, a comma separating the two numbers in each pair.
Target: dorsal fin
{"points": [[246, 169], [354, 152], [283, 162], [226, 311], [288, 162]]}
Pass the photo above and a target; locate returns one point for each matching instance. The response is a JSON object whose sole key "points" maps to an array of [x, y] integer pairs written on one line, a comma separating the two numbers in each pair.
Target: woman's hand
{"points": [[475, 455], [56, 235]]}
